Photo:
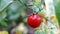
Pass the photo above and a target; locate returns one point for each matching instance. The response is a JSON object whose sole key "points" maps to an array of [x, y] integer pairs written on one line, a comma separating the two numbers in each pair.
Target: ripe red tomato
{"points": [[34, 20]]}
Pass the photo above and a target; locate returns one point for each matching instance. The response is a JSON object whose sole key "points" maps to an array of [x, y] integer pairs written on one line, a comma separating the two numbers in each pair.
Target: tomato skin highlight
{"points": [[34, 20]]}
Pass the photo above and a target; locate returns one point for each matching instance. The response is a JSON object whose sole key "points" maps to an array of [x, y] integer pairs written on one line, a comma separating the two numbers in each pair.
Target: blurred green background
{"points": [[12, 12]]}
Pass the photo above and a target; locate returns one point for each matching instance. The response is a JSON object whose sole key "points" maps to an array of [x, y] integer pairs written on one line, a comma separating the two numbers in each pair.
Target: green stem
{"points": [[22, 3]]}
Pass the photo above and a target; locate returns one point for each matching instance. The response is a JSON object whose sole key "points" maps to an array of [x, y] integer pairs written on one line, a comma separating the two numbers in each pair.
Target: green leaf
{"points": [[4, 14], [3, 3], [4, 24], [13, 11], [57, 10]]}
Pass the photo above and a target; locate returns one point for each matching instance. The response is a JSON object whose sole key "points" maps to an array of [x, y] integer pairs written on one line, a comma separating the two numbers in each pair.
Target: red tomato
{"points": [[34, 20]]}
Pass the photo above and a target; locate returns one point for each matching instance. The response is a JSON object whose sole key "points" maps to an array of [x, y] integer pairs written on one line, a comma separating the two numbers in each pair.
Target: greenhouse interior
{"points": [[29, 17]]}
